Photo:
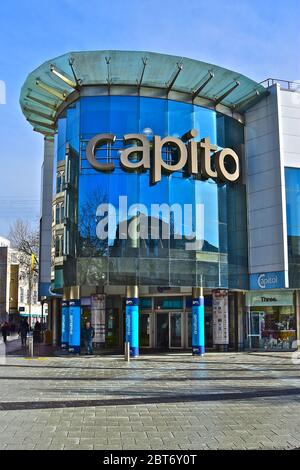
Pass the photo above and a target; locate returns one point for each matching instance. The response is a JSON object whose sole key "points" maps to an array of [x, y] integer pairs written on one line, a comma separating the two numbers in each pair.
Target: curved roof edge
{"points": [[50, 86]]}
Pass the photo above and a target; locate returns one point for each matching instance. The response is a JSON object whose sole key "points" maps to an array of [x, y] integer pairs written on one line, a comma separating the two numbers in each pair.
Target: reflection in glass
{"points": [[160, 262], [175, 330], [144, 330], [162, 330]]}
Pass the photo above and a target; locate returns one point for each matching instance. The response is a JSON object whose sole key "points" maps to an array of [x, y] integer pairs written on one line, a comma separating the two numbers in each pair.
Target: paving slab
{"points": [[171, 401]]}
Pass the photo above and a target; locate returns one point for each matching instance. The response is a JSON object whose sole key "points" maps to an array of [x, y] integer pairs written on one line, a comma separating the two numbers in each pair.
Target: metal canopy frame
{"points": [[50, 88]]}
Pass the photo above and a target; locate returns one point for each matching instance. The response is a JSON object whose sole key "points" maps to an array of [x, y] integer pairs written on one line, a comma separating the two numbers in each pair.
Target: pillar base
{"points": [[74, 349], [134, 352], [198, 350]]}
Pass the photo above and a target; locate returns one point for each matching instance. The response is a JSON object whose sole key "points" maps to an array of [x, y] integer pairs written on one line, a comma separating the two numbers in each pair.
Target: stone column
{"points": [[240, 314], [46, 219], [55, 316]]}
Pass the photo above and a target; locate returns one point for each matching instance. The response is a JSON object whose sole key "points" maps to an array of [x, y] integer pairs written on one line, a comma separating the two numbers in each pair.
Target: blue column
{"points": [[132, 322], [74, 323], [198, 325], [65, 325]]}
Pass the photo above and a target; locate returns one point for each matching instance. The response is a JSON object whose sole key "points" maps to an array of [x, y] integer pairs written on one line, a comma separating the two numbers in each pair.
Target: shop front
{"points": [[165, 322], [270, 321]]}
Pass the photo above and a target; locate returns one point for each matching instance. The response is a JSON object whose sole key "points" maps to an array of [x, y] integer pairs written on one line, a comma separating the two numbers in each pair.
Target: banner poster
{"points": [[65, 325], [220, 317], [98, 317], [74, 326]]}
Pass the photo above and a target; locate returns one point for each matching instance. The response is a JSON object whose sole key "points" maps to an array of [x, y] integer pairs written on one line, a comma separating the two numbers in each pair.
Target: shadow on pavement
{"points": [[162, 399]]}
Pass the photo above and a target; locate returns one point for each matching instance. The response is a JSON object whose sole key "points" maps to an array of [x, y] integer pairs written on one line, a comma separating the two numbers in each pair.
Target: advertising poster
{"points": [[98, 317], [74, 326], [220, 317], [132, 325], [65, 325]]}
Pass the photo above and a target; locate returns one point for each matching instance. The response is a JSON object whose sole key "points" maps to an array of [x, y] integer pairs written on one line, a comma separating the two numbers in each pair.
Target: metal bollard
{"points": [[127, 352], [30, 346]]}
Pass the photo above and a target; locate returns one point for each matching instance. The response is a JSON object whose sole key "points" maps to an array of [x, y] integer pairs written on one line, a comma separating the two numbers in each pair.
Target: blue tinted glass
{"points": [[292, 179], [121, 121], [95, 114], [206, 123], [207, 194], [180, 118], [61, 138], [153, 261], [153, 116], [73, 126]]}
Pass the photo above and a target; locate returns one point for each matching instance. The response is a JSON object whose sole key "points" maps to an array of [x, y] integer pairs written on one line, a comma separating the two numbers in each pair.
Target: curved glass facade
{"points": [[221, 261], [292, 185]]}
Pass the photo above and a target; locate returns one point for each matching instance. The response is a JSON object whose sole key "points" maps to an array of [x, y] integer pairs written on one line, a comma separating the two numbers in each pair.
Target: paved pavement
{"points": [[170, 401]]}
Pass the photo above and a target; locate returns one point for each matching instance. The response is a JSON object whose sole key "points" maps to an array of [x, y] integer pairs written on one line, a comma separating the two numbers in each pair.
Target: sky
{"points": [[258, 38]]}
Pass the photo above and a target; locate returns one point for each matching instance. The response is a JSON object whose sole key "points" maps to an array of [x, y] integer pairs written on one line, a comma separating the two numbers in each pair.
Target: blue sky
{"points": [[257, 38]]}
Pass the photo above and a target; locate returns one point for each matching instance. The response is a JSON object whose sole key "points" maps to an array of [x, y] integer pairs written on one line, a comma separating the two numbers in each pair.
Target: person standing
{"points": [[5, 332], [24, 329], [88, 334]]}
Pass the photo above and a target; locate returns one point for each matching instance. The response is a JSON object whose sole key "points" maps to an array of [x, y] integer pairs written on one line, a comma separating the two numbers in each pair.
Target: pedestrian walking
{"points": [[37, 332], [5, 331], [24, 329], [88, 334]]}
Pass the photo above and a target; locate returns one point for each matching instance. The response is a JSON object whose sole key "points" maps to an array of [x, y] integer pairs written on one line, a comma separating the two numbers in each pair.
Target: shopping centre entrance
{"points": [[166, 329]]}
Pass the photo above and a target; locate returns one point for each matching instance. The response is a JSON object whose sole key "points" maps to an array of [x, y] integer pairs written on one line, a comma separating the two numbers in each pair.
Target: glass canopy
{"points": [[49, 86]]}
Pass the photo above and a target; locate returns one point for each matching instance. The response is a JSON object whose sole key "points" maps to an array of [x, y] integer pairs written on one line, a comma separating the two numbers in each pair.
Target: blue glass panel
{"points": [[153, 262], [180, 118], [61, 138], [95, 114], [73, 126], [153, 116], [207, 194], [121, 120], [205, 121]]}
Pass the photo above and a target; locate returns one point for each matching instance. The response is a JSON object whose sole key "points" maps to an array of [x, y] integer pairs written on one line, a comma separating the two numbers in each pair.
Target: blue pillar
{"points": [[198, 324], [74, 322], [65, 324], [132, 320]]}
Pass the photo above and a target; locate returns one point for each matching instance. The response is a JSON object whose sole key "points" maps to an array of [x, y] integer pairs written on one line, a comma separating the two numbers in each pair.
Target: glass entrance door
{"points": [[175, 327], [144, 327], [169, 330], [254, 328], [162, 330]]}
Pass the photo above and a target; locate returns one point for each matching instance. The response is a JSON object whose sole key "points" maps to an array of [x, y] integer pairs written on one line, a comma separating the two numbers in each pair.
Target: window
{"points": [[60, 181], [58, 246], [59, 213]]}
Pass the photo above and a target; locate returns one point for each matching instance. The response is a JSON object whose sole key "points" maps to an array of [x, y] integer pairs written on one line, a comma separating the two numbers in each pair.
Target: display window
{"points": [[272, 327]]}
